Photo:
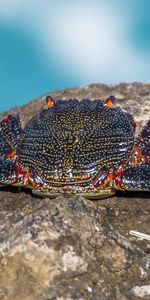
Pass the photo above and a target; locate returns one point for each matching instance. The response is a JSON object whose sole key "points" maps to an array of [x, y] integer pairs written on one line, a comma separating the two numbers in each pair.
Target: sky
{"points": [[48, 45]]}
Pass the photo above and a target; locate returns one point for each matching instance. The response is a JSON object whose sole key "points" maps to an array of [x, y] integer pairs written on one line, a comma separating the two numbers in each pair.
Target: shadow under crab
{"points": [[86, 148]]}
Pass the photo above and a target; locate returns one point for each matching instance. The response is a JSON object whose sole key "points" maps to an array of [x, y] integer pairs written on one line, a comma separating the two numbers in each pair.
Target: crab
{"points": [[85, 147]]}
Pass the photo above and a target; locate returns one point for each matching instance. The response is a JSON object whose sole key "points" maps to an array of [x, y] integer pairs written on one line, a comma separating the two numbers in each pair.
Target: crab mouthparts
{"points": [[70, 177], [93, 184]]}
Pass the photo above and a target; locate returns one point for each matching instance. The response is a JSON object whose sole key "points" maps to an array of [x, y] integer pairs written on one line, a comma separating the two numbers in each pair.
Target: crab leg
{"points": [[144, 137], [142, 144]]}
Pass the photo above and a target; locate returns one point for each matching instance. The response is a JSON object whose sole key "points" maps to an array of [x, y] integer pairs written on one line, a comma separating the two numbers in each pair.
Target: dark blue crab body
{"points": [[81, 147]]}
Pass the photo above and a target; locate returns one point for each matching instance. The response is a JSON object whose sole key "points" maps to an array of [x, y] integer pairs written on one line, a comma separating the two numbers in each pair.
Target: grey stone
{"points": [[73, 248]]}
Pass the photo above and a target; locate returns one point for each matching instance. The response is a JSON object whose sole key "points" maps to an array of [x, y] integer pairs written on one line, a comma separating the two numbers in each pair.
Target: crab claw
{"points": [[133, 178], [11, 129], [13, 174], [8, 172], [5, 147], [103, 179], [137, 178]]}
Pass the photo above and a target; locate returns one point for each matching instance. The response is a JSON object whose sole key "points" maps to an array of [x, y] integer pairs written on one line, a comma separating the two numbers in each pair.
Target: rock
{"points": [[141, 291], [72, 263], [73, 248]]}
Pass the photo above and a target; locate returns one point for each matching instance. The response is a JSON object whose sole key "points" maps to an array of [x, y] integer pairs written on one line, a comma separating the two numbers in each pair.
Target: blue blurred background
{"points": [[48, 45]]}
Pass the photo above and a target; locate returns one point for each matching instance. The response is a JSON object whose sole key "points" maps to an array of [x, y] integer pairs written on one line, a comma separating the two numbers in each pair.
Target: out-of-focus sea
{"points": [[48, 45]]}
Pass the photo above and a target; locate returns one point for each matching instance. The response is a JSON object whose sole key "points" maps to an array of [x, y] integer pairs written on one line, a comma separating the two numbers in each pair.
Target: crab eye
{"points": [[110, 101], [50, 102]]}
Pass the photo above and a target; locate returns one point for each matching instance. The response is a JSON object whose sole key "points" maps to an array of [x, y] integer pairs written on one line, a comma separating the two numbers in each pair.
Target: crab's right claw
{"points": [[8, 172], [134, 178], [10, 128]]}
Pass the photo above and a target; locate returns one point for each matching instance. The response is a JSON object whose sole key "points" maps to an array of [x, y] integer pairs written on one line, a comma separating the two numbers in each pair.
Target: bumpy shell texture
{"points": [[69, 142]]}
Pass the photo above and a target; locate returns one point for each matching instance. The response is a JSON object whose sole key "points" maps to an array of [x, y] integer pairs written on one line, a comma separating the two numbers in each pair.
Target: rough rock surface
{"points": [[73, 248]]}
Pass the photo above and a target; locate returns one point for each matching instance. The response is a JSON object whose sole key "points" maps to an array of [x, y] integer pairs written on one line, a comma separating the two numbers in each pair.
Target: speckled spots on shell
{"points": [[73, 139]]}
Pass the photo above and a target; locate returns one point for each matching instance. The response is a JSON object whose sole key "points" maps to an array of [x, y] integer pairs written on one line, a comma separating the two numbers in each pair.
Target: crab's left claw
{"points": [[8, 172]]}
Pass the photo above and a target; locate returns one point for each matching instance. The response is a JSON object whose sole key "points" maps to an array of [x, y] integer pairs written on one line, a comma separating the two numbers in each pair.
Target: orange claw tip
{"points": [[50, 102]]}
